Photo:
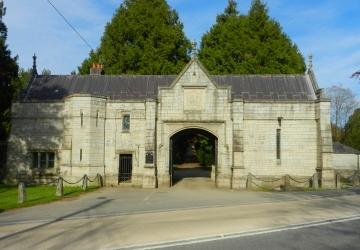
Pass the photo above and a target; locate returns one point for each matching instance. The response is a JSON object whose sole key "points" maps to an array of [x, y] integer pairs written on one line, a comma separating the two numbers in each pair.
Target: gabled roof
{"points": [[124, 87], [56, 87], [339, 148], [268, 87]]}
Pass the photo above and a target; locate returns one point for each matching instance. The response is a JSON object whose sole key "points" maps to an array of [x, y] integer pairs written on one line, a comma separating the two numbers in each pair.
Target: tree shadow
{"points": [[37, 126], [62, 218]]}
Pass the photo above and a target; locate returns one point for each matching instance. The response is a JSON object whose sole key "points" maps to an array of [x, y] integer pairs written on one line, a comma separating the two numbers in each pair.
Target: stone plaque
{"points": [[194, 98], [149, 158]]}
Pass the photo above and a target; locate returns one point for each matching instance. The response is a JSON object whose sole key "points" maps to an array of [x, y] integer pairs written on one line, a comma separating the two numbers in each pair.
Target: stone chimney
{"points": [[96, 69]]}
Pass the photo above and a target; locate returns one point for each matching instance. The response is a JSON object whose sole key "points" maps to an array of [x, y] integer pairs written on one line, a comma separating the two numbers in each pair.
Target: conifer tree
{"points": [[251, 44], [352, 130], [143, 37], [8, 78]]}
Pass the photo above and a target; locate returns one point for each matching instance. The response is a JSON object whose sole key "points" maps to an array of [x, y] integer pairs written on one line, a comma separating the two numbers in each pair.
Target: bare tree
{"points": [[343, 104]]}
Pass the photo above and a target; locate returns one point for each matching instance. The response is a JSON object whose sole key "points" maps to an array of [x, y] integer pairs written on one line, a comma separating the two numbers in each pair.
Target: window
{"points": [[81, 118], [80, 154], [278, 143], [126, 122], [43, 160]]}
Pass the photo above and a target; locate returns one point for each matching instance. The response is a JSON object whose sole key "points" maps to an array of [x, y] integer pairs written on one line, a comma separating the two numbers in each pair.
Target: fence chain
{"points": [[350, 177], [73, 183], [95, 178], [301, 182], [257, 185], [257, 178]]}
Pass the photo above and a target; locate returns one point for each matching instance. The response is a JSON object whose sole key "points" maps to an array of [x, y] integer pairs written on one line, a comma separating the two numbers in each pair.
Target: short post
{"points": [[100, 180], [249, 182], [60, 187], [338, 181], [356, 180], [84, 183], [286, 182], [315, 183], [21, 193]]}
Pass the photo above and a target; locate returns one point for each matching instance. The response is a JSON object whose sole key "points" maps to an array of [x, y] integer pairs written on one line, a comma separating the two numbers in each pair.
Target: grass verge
{"points": [[36, 195]]}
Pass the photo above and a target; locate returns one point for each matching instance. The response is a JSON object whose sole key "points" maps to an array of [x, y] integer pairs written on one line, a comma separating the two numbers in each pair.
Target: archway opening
{"points": [[193, 154]]}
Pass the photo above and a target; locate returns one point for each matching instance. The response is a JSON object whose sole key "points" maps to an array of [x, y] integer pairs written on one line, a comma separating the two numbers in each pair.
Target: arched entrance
{"points": [[193, 154]]}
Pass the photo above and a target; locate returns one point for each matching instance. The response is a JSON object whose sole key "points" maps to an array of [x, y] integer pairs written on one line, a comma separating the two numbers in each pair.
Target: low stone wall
{"points": [[346, 162]]}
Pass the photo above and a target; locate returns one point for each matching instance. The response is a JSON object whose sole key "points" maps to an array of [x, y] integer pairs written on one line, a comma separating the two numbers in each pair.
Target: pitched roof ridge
{"points": [[261, 75]]}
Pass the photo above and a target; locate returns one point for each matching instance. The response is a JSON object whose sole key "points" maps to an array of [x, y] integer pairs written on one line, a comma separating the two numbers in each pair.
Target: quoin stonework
{"points": [[266, 125]]}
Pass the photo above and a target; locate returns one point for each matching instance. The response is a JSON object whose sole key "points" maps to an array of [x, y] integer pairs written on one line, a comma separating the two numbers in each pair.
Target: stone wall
{"points": [[35, 127], [194, 101], [298, 142], [346, 161]]}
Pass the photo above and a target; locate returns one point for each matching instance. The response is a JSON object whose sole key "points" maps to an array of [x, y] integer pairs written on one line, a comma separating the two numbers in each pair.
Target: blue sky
{"points": [[329, 29]]}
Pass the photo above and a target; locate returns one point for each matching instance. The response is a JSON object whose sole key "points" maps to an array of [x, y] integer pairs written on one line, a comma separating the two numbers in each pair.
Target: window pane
{"points": [[51, 162], [35, 160], [42, 160], [126, 122]]}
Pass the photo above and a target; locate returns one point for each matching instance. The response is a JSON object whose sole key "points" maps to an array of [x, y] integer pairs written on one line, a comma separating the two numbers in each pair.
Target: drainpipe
{"points": [[104, 179]]}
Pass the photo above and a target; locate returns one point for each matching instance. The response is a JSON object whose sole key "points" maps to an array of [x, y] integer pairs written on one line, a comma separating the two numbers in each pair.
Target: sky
{"points": [[327, 29]]}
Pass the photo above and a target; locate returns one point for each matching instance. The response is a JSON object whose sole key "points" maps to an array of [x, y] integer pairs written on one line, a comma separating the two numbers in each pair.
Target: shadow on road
{"points": [[57, 219]]}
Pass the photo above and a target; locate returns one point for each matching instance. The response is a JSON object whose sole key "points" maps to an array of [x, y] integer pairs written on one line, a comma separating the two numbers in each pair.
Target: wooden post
{"points": [[60, 187], [286, 182], [315, 183], [21, 193], [248, 182], [84, 183], [356, 180], [338, 181], [100, 180]]}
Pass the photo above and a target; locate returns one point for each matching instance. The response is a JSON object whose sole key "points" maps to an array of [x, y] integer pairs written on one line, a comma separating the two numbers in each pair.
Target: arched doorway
{"points": [[193, 154]]}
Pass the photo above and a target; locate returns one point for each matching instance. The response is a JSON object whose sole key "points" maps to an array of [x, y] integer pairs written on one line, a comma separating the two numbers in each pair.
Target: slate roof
{"points": [[248, 87], [339, 148]]}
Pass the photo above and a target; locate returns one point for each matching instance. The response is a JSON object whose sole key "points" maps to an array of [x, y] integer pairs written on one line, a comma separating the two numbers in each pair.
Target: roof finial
{"points": [[193, 49], [310, 62], [34, 70]]}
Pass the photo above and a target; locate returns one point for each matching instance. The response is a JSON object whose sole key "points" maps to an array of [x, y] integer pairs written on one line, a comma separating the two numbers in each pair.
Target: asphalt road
{"points": [[125, 201], [338, 235], [114, 218]]}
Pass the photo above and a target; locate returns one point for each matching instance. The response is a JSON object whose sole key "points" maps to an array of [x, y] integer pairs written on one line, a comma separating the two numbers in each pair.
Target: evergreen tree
{"points": [[251, 44], [143, 37], [8, 78], [352, 130]]}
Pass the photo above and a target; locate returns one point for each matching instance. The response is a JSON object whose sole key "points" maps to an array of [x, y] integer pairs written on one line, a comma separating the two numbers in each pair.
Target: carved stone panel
{"points": [[194, 98]]}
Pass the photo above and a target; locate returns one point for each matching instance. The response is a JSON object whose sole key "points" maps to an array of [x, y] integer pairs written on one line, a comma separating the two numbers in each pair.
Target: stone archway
{"points": [[192, 154]]}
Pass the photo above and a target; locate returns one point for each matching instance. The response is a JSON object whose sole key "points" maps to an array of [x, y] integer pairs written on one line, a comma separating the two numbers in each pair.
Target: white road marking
{"points": [[217, 237], [149, 196]]}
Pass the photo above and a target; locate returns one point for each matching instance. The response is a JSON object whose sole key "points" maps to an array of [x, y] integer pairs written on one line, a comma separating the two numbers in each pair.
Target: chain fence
{"points": [[59, 182], [349, 181], [284, 185]]}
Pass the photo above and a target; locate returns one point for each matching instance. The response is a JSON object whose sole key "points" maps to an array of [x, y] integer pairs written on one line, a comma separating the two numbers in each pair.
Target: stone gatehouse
{"points": [[266, 125]]}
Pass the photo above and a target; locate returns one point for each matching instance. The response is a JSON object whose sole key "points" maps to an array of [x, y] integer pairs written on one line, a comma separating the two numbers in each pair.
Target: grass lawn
{"points": [[35, 195]]}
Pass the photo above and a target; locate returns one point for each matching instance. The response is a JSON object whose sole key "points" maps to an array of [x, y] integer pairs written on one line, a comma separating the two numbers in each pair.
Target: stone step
{"points": [[195, 183]]}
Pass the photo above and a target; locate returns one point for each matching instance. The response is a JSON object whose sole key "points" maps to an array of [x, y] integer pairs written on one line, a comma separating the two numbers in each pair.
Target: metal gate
{"points": [[171, 170], [125, 168]]}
